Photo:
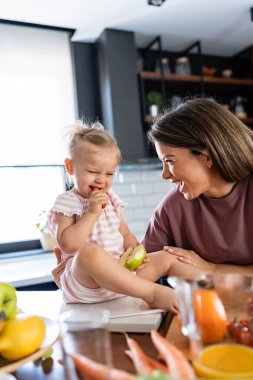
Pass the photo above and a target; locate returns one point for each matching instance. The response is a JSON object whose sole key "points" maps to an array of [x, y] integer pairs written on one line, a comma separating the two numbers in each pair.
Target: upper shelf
{"points": [[195, 78]]}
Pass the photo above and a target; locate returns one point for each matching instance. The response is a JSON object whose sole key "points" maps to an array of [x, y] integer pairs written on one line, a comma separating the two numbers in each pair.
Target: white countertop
{"points": [[128, 314], [28, 270]]}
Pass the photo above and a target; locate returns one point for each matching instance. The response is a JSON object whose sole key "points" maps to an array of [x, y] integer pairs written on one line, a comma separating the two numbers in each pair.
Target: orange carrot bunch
{"points": [[176, 365]]}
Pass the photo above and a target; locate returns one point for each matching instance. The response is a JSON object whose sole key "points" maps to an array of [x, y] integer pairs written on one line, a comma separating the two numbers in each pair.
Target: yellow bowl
{"points": [[225, 361]]}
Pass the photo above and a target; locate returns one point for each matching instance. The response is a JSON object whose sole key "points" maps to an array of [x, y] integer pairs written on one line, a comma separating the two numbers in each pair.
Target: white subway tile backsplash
{"points": [[131, 176], [142, 213], [163, 187], [137, 227], [129, 214], [153, 175], [134, 201], [142, 189], [152, 200], [122, 189]]}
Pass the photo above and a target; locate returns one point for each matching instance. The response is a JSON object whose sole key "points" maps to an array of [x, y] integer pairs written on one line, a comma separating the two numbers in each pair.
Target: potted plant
{"points": [[154, 102], [48, 242]]}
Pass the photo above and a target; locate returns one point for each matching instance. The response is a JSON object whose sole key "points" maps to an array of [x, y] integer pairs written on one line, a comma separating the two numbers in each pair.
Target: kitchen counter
{"points": [[28, 270]]}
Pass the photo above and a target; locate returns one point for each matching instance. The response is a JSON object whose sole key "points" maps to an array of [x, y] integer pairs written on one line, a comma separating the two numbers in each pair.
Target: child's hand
{"points": [[145, 261], [97, 202]]}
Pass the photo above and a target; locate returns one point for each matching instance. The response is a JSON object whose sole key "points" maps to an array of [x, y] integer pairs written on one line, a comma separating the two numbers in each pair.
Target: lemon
{"points": [[22, 336], [225, 361], [2, 325]]}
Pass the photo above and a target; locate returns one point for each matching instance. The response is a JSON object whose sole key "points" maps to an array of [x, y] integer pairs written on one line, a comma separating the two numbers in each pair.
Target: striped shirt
{"points": [[105, 233]]}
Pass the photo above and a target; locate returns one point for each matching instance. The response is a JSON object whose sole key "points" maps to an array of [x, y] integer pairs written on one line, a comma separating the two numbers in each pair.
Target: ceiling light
{"points": [[157, 3]]}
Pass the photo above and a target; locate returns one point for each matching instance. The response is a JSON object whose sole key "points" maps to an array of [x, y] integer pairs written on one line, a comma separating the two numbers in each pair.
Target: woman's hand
{"points": [[59, 269], [191, 257]]}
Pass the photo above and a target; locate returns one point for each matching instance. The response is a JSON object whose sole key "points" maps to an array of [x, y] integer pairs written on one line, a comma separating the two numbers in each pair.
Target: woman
{"points": [[207, 220]]}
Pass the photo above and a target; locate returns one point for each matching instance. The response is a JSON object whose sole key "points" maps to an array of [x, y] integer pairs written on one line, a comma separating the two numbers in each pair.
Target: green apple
{"points": [[8, 301], [133, 257]]}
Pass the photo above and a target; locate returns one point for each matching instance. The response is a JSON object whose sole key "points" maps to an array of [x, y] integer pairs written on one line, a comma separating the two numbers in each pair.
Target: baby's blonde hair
{"points": [[93, 133]]}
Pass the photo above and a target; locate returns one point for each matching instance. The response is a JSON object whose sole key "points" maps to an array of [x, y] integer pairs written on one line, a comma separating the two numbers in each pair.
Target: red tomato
{"points": [[231, 327], [239, 331], [245, 338], [244, 322]]}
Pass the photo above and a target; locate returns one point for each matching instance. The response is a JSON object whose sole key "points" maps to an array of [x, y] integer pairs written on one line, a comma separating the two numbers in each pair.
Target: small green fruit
{"points": [[125, 256], [133, 257], [8, 301]]}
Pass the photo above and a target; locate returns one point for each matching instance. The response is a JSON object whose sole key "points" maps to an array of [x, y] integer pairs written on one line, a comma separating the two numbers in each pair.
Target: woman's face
{"points": [[192, 173]]}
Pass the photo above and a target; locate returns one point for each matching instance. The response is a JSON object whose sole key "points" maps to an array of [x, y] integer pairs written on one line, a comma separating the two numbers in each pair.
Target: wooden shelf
{"points": [[228, 81], [196, 78], [247, 120], [169, 77]]}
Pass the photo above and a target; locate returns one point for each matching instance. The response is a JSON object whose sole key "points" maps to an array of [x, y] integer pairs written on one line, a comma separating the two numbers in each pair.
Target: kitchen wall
{"points": [[142, 187]]}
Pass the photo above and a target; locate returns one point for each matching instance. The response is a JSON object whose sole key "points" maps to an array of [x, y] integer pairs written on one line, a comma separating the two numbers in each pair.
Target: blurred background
{"points": [[117, 62]]}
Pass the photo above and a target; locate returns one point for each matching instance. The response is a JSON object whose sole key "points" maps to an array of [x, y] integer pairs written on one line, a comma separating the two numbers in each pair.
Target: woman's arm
{"points": [[192, 258], [60, 267]]}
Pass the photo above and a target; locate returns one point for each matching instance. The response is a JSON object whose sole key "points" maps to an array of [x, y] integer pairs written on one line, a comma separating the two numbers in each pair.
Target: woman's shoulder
{"points": [[174, 203], [171, 197]]}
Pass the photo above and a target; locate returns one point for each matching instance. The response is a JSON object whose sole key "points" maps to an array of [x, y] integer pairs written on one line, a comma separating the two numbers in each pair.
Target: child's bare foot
{"points": [[164, 298]]}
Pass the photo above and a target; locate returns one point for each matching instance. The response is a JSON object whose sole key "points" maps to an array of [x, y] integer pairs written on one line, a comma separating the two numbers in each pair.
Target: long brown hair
{"points": [[202, 123]]}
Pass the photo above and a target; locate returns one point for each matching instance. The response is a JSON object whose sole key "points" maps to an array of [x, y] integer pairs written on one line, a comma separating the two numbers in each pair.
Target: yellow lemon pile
{"points": [[20, 334]]}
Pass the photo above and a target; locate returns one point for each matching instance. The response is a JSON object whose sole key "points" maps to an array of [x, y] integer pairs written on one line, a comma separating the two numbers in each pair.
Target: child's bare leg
{"points": [[164, 264], [93, 267]]}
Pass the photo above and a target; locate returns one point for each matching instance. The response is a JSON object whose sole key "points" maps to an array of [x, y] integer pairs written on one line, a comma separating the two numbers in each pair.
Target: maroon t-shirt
{"points": [[219, 229]]}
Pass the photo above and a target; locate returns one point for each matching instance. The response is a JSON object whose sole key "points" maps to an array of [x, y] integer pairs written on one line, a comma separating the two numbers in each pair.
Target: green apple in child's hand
{"points": [[8, 301], [133, 257]]}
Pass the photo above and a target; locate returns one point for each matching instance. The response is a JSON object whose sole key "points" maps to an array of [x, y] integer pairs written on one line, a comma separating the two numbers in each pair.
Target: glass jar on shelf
{"points": [[238, 105], [165, 66], [182, 66]]}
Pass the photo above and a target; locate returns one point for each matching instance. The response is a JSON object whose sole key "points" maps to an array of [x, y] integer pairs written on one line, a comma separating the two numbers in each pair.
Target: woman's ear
{"points": [[209, 161], [68, 165]]}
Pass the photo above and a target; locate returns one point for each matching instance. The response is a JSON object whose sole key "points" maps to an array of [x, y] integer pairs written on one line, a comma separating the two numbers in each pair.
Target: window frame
{"points": [[28, 247]]}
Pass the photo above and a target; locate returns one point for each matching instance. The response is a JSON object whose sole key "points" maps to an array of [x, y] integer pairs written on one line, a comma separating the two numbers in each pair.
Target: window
{"points": [[37, 106]]}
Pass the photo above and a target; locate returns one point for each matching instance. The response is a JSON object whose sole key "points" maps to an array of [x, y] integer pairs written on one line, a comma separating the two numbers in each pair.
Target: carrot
{"points": [[97, 189], [140, 359], [89, 369], [152, 362], [158, 365], [177, 363]]}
